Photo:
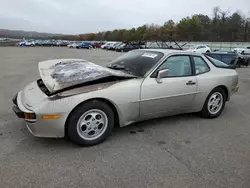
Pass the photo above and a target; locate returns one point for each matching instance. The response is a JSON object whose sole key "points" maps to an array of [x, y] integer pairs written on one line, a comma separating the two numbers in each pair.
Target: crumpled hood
{"points": [[59, 74]]}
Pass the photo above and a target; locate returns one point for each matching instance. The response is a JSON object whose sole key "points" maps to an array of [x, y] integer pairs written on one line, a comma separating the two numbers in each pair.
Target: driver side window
{"points": [[178, 66]]}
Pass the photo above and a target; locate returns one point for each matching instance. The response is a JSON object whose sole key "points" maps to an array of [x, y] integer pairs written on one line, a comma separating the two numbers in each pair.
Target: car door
{"points": [[174, 94]]}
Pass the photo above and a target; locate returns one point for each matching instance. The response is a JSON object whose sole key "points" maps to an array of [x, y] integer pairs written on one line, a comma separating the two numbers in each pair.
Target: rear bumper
{"points": [[235, 90]]}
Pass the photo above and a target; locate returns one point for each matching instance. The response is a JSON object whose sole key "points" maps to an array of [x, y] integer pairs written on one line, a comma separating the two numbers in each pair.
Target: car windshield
{"points": [[216, 62], [136, 62]]}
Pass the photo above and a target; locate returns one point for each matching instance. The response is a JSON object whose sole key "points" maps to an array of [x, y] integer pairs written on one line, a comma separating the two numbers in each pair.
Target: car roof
{"points": [[169, 51]]}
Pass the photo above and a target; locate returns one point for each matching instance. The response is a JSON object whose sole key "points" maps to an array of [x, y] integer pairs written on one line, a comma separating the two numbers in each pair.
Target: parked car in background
{"points": [[62, 43], [231, 58], [27, 43], [73, 45], [105, 46], [118, 46], [237, 50], [83, 100], [126, 47], [37, 42], [244, 50], [85, 45], [48, 43], [201, 48], [98, 44], [112, 46]]}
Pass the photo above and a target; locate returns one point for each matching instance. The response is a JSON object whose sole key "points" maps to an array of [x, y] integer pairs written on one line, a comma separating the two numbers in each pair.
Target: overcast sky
{"points": [[82, 16]]}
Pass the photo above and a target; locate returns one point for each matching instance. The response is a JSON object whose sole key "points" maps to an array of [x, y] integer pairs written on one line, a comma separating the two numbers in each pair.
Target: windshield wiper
{"points": [[117, 67], [120, 67]]}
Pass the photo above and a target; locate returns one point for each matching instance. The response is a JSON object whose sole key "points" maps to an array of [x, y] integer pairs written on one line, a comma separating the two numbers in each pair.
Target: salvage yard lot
{"points": [[176, 152]]}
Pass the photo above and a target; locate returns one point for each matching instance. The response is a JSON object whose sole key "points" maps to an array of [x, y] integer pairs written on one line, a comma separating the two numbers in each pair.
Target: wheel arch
{"points": [[225, 89], [107, 101]]}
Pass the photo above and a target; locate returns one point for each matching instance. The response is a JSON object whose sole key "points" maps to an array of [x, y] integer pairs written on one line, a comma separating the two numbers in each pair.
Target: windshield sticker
{"points": [[149, 55]]}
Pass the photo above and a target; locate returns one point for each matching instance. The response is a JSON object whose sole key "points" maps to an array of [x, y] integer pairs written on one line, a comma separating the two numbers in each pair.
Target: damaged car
{"points": [[83, 101]]}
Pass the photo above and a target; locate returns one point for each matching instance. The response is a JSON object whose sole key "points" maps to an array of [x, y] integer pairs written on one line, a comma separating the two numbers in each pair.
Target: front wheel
{"points": [[90, 123], [214, 104]]}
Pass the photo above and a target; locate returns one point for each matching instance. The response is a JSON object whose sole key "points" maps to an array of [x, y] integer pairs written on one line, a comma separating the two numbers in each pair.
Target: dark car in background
{"points": [[127, 46], [85, 45], [48, 43], [230, 58], [62, 43]]}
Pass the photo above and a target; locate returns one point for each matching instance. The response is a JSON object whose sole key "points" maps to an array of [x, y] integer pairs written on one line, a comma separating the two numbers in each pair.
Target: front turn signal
{"points": [[51, 116], [29, 116]]}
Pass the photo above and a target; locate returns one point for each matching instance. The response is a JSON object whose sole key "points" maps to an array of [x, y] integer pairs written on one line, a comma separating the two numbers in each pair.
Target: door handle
{"points": [[190, 83]]}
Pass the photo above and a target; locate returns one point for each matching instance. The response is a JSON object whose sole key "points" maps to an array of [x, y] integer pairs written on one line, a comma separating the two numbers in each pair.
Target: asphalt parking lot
{"points": [[175, 152]]}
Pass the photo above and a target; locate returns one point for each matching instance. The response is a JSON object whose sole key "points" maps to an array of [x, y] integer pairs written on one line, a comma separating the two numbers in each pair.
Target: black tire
{"points": [[72, 132], [207, 51], [248, 62], [205, 112]]}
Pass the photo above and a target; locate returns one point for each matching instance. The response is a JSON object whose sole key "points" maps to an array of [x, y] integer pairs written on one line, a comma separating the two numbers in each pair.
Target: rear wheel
{"points": [[214, 103], [90, 123]]}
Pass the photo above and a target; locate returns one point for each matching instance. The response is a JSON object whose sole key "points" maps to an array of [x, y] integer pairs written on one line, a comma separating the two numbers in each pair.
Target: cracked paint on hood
{"points": [[63, 73]]}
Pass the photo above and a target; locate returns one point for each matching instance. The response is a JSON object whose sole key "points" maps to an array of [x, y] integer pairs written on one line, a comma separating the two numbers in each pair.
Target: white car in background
{"points": [[27, 43], [201, 48], [244, 50], [107, 44], [73, 45]]}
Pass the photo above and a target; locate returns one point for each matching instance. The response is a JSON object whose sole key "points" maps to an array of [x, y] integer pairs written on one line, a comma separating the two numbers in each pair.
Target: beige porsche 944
{"points": [[84, 101]]}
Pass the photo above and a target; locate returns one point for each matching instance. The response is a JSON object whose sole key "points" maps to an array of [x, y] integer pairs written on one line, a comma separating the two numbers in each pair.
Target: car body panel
{"points": [[135, 99], [153, 95]]}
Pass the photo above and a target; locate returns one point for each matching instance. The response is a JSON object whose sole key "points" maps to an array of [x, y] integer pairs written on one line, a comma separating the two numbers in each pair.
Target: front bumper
{"points": [[37, 126], [16, 109], [18, 112], [22, 112]]}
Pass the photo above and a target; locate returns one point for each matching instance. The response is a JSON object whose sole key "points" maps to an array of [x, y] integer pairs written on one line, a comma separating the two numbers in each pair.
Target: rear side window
{"points": [[200, 65]]}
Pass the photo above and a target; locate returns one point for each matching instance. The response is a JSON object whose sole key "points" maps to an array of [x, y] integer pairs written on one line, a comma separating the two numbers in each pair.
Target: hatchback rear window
{"points": [[217, 62]]}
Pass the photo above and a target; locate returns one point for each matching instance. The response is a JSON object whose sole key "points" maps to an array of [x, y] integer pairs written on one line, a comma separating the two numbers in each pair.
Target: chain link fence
{"points": [[221, 46]]}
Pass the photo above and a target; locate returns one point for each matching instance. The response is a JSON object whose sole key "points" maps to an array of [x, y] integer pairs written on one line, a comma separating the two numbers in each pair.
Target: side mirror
{"points": [[161, 74]]}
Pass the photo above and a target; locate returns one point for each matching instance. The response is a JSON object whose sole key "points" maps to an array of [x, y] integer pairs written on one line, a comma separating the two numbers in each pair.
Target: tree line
{"points": [[223, 26]]}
